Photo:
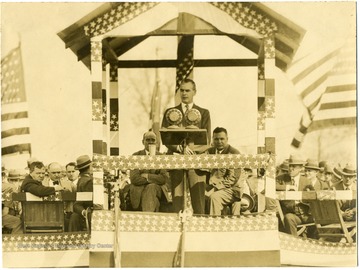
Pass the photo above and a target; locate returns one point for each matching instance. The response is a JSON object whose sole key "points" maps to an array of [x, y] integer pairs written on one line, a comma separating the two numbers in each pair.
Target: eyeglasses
{"points": [[56, 172], [150, 140]]}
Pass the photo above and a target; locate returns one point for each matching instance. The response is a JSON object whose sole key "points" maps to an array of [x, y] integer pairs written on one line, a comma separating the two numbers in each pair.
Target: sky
{"points": [[58, 87]]}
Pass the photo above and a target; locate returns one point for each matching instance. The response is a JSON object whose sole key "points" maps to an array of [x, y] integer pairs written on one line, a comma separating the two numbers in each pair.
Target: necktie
{"points": [[292, 181], [186, 108]]}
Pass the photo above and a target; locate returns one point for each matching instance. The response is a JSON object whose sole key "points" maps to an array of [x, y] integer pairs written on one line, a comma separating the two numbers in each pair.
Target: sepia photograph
{"points": [[179, 134]]}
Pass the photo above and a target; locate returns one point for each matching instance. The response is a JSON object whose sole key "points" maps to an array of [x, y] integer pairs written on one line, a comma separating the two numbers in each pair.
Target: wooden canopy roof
{"points": [[256, 17]]}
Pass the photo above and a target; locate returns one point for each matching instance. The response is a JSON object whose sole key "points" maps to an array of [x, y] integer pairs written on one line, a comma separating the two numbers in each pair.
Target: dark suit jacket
{"points": [[36, 187], [344, 204], [231, 176], [138, 182], [205, 123], [85, 184], [288, 206]]}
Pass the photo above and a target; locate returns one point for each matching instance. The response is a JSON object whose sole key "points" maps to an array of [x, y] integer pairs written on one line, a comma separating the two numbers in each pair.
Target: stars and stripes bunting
{"points": [[309, 252], [326, 83], [46, 250], [15, 134], [117, 16], [210, 241], [246, 14], [114, 111], [182, 161]]}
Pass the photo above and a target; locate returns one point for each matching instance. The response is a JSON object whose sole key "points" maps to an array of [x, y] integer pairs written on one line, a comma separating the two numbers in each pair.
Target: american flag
{"points": [[15, 134], [154, 123], [185, 64], [326, 83]]}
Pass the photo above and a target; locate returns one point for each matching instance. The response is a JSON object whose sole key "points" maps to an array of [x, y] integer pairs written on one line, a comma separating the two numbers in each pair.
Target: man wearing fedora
{"points": [[82, 210], [311, 172], [295, 212], [348, 207], [148, 187]]}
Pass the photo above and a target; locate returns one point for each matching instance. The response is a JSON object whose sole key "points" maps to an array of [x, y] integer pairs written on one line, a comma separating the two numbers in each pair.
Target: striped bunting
{"points": [[308, 252], [15, 130], [209, 241], [317, 195], [246, 15], [326, 83], [123, 13], [181, 161], [46, 250], [59, 196]]}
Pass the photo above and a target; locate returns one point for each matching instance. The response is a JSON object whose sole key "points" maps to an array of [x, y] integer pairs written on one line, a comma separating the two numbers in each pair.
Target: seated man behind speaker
{"points": [[148, 187], [227, 183]]}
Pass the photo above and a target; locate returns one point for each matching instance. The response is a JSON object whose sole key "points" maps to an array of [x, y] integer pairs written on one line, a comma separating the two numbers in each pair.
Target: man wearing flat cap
{"points": [[148, 187], [85, 184], [348, 207]]}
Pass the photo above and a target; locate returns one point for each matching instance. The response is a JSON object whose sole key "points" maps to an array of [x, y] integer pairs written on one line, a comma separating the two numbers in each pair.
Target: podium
{"points": [[183, 136]]}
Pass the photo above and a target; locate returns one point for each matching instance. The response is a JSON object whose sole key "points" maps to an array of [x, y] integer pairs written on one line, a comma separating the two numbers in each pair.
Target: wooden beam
{"points": [[197, 63]]}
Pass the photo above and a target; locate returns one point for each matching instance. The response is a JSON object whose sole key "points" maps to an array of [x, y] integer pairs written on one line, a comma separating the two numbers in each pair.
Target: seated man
{"points": [[227, 183], [56, 178], [348, 207], [148, 186], [33, 181], [10, 209], [312, 171], [295, 212]]}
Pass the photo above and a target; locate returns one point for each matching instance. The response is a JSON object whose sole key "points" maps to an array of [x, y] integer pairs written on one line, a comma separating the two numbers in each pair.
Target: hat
{"points": [[82, 162], [349, 170], [322, 164], [14, 174], [248, 170], [328, 168], [312, 164], [149, 134], [337, 172], [295, 160], [247, 202], [285, 165]]}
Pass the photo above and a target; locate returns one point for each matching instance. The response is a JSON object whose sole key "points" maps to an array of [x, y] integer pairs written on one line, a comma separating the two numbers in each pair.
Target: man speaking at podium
{"points": [[196, 177]]}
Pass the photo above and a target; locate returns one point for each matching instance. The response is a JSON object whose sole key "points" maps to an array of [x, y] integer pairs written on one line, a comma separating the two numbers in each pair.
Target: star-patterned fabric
{"points": [[14, 108], [182, 161], [311, 246], [123, 13], [103, 220], [46, 242]]}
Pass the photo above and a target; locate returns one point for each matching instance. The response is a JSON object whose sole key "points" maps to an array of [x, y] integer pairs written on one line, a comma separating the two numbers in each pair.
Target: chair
{"points": [[329, 221], [301, 228]]}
